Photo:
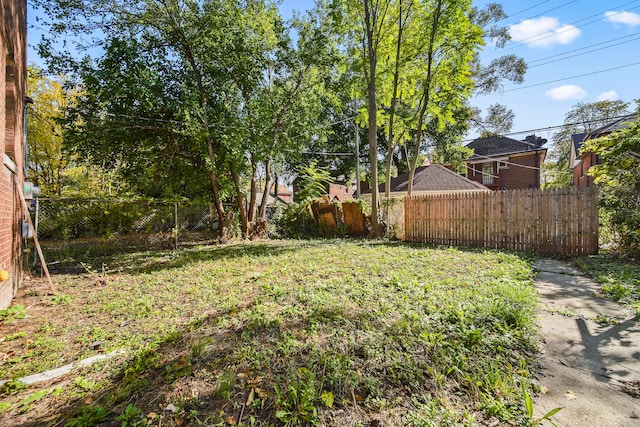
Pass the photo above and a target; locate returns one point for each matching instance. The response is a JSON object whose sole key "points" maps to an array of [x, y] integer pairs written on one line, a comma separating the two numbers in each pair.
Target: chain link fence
{"points": [[99, 226]]}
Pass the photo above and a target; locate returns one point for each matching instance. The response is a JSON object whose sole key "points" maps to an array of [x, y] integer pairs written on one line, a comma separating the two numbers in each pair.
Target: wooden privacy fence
{"points": [[561, 221]]}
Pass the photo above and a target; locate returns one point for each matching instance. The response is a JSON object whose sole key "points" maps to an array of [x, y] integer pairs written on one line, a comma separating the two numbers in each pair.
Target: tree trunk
{"points": [[254, 190], [372, 109], [425, 96], [240, 202], [265, 193], [392, 113], [224, 220]]}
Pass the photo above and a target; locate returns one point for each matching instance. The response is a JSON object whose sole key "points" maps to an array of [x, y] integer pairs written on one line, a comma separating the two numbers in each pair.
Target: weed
{"points": [[13, 312], [198, 347], [132, 417], [13, 386], [15, 336], [62, 299], [605, 320], [25, 404], [225, 385], [297, 403], [88, 416], [85, 384], [528, 402]]}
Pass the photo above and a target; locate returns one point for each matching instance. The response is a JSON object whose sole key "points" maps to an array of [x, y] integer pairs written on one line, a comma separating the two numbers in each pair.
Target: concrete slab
{"points": [[586, 364]]}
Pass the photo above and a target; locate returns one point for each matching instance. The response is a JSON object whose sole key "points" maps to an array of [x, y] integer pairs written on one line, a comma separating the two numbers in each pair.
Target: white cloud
{"points": [[543, 32], [628, 18], [565, 92], [611, 95]]}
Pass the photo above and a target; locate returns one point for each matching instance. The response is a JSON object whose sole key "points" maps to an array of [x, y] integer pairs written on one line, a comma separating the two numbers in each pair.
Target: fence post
{"points": [[176, 222]]}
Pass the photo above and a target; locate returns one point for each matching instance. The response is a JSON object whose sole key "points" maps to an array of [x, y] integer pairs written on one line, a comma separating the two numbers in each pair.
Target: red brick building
{"points": [[13, 78], [502, 163], [581, 162]]}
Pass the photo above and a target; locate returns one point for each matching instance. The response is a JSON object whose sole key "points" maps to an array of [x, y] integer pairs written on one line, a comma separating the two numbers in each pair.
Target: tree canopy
{"points": [[582, 118], [212, 98], [618, 176], [214, 87]]}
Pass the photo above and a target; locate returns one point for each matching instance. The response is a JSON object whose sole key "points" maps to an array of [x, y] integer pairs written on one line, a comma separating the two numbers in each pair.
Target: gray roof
{"points": [[432, 178], [621, 123], [577, 140], [496, 144]]}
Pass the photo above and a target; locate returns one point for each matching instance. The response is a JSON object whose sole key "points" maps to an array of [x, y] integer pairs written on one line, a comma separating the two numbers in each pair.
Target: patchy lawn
{"points": [[619, 276], [332, 333]]}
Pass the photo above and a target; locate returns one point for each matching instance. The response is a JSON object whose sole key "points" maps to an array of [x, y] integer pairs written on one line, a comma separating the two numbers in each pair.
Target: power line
{"points": [[550, 10], [581, 49], [545, 35], [528, 8], [569, 78]]}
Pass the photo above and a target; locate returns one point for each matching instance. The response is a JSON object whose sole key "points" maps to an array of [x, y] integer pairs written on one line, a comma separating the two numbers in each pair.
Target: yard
{"points": [[326, 332]]}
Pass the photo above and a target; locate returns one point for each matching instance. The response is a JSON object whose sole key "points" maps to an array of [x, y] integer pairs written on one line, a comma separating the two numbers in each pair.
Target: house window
{"points": [[503, 165], [487, 174]]}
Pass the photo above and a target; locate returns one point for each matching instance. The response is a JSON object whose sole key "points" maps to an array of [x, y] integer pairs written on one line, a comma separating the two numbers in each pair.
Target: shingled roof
{"points": [[621, 123], [433, 178], [577, 139], [496, 144]]}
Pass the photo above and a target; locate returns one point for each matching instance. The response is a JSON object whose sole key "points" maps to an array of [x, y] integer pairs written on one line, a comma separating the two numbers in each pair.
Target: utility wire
{"points": [[568, 78], [545, 35], [528, 8], [547, 11], [535, 62]]}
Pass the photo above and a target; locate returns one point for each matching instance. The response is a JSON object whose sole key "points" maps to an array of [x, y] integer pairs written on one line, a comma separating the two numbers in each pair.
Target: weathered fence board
{"points": [[561, 221]]}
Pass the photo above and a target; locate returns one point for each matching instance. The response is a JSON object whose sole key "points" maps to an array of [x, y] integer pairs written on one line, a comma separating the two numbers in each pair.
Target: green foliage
{"points": [[194, 99], [89, 416], [132, 417], [313, 182], [14, 312], [13, 386], [533, 421], [618, 275], [618, 176], [296, 221], [582, 118], [62, 299], [297, 402]]}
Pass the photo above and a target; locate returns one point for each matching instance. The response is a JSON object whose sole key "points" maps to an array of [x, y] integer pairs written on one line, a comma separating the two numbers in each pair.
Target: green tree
{"points": [[52, 166], [582, 118], [47, 158], [188, 92], [619, 179], [498, 120]]}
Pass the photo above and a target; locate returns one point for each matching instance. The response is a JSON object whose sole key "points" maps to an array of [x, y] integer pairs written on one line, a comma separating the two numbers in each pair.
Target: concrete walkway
{"points": [[586, 365]]}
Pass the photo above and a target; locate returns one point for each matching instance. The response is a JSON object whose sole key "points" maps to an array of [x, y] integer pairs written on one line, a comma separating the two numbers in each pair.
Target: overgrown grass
{"points": [[618, 274], [283, 333]]}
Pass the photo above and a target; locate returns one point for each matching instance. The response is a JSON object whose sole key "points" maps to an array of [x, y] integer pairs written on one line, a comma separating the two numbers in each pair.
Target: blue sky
{"points": [[577, 50], [560, 40]]}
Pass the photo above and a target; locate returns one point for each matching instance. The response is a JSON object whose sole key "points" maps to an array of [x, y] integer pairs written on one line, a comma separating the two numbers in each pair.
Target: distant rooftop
{"points": [[433, 178], [497, 144]]}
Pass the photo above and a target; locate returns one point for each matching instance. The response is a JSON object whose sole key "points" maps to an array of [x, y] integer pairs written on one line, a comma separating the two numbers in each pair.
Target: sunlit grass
{"points": [[298, 333]]}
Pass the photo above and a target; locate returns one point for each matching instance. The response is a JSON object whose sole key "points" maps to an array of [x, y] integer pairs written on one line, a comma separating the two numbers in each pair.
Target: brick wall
{"points": [[512, 177], [580, 177], [12, 88], [515, 177]]}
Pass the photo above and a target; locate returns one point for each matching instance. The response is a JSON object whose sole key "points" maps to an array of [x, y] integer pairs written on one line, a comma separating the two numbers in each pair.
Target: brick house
{"points": [[502, 163], [580, 163], [13, 78]]}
